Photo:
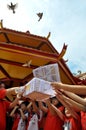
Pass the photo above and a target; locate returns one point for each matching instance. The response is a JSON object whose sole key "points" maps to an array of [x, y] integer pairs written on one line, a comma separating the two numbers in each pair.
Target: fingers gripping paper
{"points": [[48, 72]]}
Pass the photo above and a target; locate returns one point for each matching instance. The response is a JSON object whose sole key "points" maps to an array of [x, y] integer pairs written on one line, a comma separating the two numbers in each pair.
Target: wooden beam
{"points": [[6, 37], [27, 77], [29, 52], [4, 71]]}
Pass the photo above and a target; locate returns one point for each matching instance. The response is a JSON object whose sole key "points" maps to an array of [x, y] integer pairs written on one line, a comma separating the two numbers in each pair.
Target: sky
{"points": [[65, 19]]}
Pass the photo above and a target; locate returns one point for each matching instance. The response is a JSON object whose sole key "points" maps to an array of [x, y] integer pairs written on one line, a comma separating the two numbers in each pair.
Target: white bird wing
{"points": [[27, 64]]}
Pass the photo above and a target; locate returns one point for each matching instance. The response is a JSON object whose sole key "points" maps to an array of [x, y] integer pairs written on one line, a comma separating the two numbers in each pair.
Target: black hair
{"points": [[59, 103], [1, 82], [25, 103]]}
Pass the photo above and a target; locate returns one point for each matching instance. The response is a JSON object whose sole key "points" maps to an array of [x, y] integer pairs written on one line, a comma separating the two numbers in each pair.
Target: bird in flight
{"points": [[40, 15], [12, 6], [27, 64]]}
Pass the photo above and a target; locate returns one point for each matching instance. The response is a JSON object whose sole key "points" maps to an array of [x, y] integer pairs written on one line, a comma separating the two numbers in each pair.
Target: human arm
{"points": [[29, 105], [13, 111], [77, 106], [23, 116], [11, 91], [42, 107], [67, 105], [50, 107], [78, 89], [15, 91], [16, 101], [35, 108], [58, 112], [75, 97], [53, 110]]}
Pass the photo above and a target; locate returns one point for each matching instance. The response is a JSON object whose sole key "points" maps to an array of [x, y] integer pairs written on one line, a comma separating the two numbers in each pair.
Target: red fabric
{"points": [[16, 121], [41, 124], [75, 124], [2, 93], [61, 108], [53, 122], [83, 120], [4, 106]]}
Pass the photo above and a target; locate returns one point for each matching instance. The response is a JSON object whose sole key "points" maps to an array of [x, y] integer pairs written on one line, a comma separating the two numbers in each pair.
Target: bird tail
{"points": [[13, 11]]}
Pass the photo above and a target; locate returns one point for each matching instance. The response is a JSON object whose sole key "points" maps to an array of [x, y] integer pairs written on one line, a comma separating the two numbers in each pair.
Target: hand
{"points": [[18, 96], [58, 92], [47, 101], [56, 85], [20, 109], [16, 106]]}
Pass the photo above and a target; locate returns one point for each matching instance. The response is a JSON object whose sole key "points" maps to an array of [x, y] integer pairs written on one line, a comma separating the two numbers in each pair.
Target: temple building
{"points": [[21, 52]]}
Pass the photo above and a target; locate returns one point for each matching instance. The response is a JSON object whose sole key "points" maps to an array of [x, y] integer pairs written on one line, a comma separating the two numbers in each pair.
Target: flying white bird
{"points": [[27, 64]]}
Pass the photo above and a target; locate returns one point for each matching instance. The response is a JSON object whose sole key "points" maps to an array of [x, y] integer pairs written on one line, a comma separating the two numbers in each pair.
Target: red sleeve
{"points": [[7, 105], [2, 93], [61, 108]]}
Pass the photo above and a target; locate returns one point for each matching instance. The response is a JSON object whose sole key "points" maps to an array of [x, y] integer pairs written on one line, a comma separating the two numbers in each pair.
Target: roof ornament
{"points": [[40, 15], [48, 36], [28, 32], [12, 6], [62, 53], [66, 60], [1, 23], [79, 71]]}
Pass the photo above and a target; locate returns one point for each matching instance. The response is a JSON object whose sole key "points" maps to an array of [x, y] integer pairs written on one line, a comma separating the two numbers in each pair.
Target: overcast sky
{"points": [[65, 19]]}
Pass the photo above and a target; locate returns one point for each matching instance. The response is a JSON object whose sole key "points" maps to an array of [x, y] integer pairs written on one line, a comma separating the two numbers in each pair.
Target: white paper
{"points": [[48, 72], [39, 85]]}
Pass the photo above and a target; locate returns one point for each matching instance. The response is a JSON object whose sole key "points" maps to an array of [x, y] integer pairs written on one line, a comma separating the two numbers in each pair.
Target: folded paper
{"points": [[40, 87], [48, 72]]}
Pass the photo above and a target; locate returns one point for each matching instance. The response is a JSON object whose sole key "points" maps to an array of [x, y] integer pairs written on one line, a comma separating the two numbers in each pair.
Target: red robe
{"points": [[4, 106], [53, 122], [16, 121], [75, 124], [83, 120]]}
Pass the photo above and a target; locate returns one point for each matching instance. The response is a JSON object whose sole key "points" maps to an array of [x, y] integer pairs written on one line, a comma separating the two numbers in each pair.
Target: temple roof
{"points": [[18, 48]]}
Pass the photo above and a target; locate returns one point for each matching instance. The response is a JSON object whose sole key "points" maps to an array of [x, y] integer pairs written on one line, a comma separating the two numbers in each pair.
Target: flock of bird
{"points": [[12, 7]]}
